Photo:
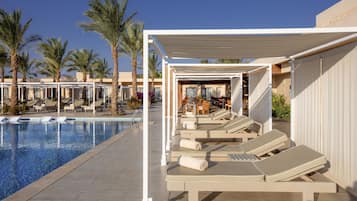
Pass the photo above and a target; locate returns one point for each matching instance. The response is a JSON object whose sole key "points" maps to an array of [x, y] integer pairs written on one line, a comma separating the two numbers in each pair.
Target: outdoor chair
{"points": [[262, 145], [69, 107], [237, 130], [289, 171]]}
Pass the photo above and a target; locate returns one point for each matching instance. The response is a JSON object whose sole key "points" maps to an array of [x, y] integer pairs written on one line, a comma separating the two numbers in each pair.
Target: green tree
{"points": [[131, 44], [12, 36], [26, 67], [82, 61], [3, 62], [101, 69], [55, 58], [153, 72], [109, 20]]}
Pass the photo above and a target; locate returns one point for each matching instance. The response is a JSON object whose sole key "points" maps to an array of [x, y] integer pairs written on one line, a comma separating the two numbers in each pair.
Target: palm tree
{"points": [[82, 61], [153, 63], [101, 69], [3, 62], [108, 20], [55, 58], [26, 66], [131, 44], [12, 36]]}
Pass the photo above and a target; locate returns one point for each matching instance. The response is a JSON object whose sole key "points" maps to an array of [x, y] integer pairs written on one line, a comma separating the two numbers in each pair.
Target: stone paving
{"points": [[114, 174]]}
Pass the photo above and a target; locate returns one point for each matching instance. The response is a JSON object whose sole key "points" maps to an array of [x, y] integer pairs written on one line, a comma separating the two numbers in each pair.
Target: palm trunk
{"points": [[84, 92], [24, 90], [134, 81], [114, 95], [58, 79], [2, 73], [13, 102]]}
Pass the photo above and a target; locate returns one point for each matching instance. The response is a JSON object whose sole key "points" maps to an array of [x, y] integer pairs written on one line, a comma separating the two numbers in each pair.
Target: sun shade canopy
{"points": [[245, 43]]}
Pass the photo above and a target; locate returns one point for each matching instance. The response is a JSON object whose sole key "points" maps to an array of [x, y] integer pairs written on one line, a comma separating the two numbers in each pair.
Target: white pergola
{"points": [[291, 43], [57, 85]]}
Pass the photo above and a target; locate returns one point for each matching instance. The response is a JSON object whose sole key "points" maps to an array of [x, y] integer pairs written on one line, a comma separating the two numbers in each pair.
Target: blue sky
{"points": [[61, 18]]}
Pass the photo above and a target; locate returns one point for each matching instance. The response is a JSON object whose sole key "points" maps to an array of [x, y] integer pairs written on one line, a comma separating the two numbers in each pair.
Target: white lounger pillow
{"points": [[190, 144], [193, 163]]}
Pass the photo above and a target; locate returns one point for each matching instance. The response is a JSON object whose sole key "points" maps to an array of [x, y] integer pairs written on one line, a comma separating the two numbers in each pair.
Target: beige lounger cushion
{"points": [[223, 171], [284, 166], [265, 143], [290, 164], [259, 146]]}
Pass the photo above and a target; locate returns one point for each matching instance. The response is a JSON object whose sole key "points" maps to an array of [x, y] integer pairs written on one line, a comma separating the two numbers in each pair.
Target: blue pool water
{"points": [[29, 151]]}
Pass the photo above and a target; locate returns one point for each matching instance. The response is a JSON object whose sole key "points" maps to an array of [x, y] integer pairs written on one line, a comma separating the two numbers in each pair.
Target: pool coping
{"points": [[41, 184]]}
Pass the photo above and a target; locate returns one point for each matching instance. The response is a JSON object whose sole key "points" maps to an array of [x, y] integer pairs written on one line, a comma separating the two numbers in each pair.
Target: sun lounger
{"points": [[259, 146], [284, 172], [210, 124], [234, 131], [206, 115], [69, 107]]}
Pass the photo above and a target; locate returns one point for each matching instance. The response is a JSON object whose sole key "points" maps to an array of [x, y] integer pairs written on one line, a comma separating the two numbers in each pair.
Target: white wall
{"points": [[236, 95], [260, 97], [326, 112]]}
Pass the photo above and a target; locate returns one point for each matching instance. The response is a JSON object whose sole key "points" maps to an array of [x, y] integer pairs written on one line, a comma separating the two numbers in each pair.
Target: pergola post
{"points": [[146, 118], [163, 123], [93, 96], [292, 101], [173, 105], [104, 94], [168, 104], [176, 101], [2, 97], [240, 113], [270, 83], [58, 98]]}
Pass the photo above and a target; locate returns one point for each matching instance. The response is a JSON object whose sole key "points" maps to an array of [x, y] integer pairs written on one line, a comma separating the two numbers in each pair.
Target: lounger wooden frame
{"points": [[306, 188]]}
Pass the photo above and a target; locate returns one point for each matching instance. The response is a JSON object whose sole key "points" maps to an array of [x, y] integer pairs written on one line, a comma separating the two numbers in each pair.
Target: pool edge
{"points": [[39, 185]]}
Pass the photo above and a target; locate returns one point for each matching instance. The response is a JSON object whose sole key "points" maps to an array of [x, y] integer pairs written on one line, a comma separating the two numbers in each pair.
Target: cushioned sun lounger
{"points": [[233, 131], [218, 112], [278, 173], [259, 146]]}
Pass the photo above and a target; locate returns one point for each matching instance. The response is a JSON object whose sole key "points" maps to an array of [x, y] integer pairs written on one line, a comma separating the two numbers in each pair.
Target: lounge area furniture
{"points": [[259, 146], [288, 171], [231, 131]]}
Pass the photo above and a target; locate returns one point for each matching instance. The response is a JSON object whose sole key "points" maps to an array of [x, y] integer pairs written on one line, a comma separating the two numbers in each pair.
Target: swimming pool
{"points": [[29, 151]]}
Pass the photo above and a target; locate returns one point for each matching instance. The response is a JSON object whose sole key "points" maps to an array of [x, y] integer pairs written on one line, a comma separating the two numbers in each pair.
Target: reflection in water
{"points": [[14, 132], [29, 151]]}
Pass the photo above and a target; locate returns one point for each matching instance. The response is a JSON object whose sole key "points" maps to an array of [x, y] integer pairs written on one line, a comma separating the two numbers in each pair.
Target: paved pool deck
{"points": [[112, 172]]}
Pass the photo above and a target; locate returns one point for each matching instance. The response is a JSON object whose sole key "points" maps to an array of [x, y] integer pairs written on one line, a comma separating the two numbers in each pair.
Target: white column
{"points": [[173, 105], [58, 99], [146, 118], [168, 104], [93, 96], [2, 97], [240, 113], [292, 102], [104, 94], [163, 106], [176, 102], [270, 83]]}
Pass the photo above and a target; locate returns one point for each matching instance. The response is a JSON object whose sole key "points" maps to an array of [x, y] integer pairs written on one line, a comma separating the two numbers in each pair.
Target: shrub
{"points": [[133, 103], [281, 109]]}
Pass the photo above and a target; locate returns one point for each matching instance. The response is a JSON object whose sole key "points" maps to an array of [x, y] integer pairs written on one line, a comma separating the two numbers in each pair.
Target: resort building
{"points": [[72, 87]]}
